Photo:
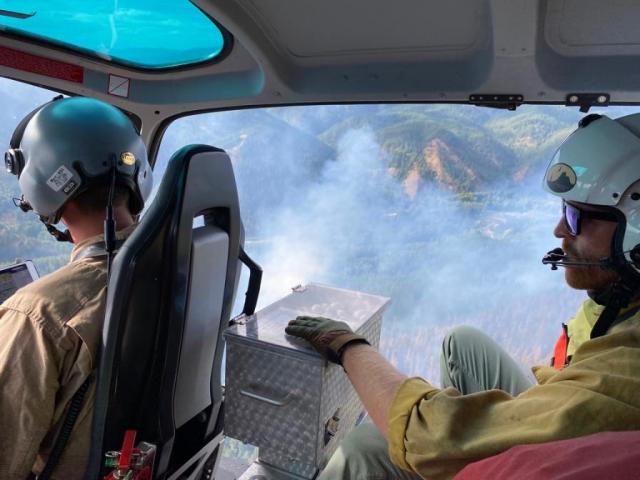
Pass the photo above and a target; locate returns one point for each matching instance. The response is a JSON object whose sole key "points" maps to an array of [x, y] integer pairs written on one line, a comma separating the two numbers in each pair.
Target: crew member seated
{"points": [[487, 404], [75, 158]]}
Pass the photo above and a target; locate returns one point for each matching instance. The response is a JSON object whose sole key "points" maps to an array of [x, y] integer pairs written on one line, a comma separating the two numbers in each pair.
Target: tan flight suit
{"points": [[50, 334]]}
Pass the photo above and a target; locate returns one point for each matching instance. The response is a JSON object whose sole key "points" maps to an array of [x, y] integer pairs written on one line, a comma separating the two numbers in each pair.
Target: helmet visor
{"points": [[595, 165]]}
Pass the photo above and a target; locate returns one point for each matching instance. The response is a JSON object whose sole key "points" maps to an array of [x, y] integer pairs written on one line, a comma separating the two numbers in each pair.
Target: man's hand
{"points": [[327, 336], [375, 379]]}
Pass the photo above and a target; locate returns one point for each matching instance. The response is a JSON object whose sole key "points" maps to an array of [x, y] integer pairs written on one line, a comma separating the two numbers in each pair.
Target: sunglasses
{"points": [[573, 217]]}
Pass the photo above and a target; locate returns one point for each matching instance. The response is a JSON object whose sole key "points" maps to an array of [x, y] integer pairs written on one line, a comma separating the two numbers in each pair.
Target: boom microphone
{"points": [[557, 258], [22, 204]]}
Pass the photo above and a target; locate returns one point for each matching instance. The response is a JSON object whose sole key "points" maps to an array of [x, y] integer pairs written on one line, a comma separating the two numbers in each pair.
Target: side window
{"points": [[438, 207], [22, 235]]}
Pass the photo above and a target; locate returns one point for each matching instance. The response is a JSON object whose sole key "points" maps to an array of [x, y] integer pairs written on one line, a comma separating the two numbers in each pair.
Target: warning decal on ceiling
{"points": [[119, 86], [47, 67]]}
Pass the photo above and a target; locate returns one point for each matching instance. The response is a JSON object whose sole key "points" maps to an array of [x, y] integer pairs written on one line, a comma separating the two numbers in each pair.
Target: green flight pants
{"points": [[470, 362]]}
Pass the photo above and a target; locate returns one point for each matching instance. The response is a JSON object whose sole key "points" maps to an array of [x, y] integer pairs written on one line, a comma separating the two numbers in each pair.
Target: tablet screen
{"points": [[14, 277]]}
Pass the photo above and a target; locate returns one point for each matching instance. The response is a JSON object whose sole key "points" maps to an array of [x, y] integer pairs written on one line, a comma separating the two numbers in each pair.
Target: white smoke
{"points": [[443, 261]]}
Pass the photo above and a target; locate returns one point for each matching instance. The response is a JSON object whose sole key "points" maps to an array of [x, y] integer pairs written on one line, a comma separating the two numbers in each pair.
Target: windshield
{"points": [[439, 207]]}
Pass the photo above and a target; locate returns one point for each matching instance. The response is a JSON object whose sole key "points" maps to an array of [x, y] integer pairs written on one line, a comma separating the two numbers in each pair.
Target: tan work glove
{"points": [[327, 336]]}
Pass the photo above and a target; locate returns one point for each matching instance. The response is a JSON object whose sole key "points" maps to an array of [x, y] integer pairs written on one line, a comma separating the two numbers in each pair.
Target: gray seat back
{"points": [[169, 299]]}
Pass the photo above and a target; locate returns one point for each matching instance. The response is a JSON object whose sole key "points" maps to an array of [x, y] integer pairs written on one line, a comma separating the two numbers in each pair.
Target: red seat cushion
{"points": [[594, 457]]}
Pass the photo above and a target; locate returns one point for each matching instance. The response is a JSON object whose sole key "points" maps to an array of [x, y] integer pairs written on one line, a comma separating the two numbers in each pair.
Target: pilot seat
{"points": [[170, 296]]}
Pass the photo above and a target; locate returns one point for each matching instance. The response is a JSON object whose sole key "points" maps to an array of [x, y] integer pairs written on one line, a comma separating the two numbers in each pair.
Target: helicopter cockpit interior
{"points": [[296, 144]]}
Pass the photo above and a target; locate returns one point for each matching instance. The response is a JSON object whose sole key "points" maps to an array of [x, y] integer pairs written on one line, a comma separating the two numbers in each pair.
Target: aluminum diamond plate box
{"points": [[280, 394]]}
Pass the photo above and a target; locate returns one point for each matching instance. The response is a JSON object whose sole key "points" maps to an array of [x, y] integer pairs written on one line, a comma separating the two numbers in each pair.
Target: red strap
{"points": [[560, 351], [127, 450], [126, 457]]}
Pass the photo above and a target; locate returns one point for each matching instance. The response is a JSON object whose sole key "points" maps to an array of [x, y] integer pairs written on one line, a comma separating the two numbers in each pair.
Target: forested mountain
{"points": [[464, 149]]}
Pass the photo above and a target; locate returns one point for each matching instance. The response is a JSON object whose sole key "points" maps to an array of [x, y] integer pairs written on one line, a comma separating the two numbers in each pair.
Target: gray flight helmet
{"points": [[599, 164], [68, 145]]}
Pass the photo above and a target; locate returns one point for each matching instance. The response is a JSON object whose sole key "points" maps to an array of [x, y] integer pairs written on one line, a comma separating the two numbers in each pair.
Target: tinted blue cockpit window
{"points": [[151, 34]]}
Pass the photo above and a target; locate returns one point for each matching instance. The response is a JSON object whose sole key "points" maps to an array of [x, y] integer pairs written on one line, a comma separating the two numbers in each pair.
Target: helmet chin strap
{"points": [[59, 235], [616, 297]]}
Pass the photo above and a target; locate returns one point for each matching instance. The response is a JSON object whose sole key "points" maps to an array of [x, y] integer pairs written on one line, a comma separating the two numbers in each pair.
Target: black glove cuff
{"points": [[350, 343]]}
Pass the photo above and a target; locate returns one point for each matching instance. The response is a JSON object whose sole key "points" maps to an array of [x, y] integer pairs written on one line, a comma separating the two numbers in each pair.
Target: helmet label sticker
{"points": [[119, 86], [60, 178], [70, 187], [561, 178], [128, 158]]}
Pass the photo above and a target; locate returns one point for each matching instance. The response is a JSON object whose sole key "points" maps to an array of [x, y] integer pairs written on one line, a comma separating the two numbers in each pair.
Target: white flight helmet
{"points": [[599, 164], [69, 144]]}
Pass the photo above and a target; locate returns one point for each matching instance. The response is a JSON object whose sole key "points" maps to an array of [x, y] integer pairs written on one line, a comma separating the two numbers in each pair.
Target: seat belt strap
{"points": [[75, 406]]}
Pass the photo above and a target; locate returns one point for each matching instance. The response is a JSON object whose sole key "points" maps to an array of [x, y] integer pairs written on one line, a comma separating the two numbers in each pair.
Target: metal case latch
{"points": [[332, 426]]}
